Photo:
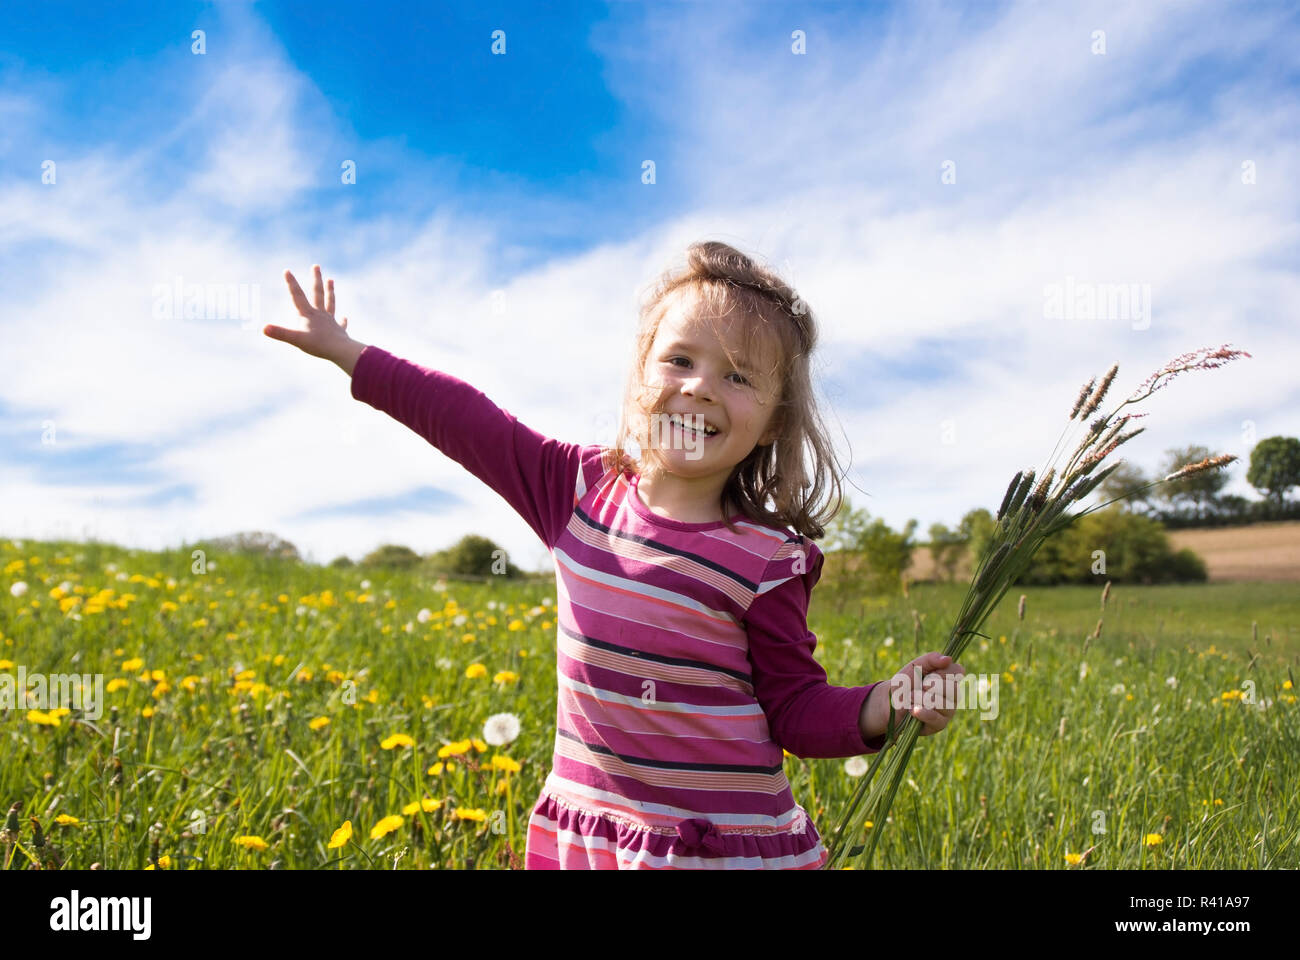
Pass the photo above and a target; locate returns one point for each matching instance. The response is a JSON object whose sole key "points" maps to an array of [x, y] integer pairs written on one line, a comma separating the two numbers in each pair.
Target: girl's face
{"points": [[687, 372]]}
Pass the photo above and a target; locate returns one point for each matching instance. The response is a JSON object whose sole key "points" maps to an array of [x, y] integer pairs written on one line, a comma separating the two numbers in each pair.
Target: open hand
{"points": [[324, 337]]}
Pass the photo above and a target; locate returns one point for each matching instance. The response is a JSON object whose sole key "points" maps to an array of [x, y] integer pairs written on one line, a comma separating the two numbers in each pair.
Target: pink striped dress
{"points": [[684, 660]]}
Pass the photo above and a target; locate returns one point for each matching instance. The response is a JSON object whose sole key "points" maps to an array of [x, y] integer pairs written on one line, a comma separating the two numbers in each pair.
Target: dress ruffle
{"points": [[561, 837]]}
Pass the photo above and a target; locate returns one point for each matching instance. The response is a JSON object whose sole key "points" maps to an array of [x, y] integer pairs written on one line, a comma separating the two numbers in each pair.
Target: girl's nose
{"points": [[697, 387]]}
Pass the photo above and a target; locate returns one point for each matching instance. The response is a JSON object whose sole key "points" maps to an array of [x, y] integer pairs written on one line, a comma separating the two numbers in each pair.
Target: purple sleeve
{"points": [[805, 715], [534, 474]]}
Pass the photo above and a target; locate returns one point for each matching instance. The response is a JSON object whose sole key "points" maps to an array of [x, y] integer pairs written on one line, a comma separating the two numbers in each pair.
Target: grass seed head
{"points": [[1095, 400], [1210, 463]]}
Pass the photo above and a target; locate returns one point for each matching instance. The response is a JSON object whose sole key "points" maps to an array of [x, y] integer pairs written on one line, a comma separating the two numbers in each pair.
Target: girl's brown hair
{"points": [[720, 281]]}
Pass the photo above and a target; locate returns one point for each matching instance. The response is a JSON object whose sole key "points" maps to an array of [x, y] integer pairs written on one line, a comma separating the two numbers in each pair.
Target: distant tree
{"points": [[1274, 467], [845, 529], [392, 555], [474, 556], [885, 554], [1200, 489], [976, 528], [341, 562], [945, 549], [256, 542], [1125, 481], [888, 555]]}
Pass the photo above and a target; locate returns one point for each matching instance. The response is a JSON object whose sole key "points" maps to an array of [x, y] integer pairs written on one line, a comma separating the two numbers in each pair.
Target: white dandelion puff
{"points": [[424, 615], [18, 588], [500, 729], [1117, 689], [855, 766], [1171, 682]]}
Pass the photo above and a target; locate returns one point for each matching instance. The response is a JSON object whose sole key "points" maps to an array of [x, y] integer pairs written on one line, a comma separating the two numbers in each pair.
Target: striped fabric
{"points": [[683, 660]]}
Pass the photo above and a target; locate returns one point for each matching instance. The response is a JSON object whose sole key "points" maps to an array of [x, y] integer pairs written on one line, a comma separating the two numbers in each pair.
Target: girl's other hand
{"points": [[923, 681], [324, 337]]}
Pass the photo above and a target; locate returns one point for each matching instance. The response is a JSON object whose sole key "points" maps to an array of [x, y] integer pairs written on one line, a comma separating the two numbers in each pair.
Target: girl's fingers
{"points": [[317, 288], [283, 333], [299, 298], [931, 721], [329, 299], [345, 323]]}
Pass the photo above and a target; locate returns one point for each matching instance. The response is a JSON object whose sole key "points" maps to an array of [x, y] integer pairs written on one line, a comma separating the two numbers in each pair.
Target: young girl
{"points": [[684, 658]]}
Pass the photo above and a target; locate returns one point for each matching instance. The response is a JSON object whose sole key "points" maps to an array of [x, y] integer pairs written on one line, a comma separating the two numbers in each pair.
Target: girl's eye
{"points": [[737, 373]]}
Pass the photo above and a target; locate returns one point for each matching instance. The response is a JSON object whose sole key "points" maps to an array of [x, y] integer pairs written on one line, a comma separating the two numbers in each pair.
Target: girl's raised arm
{"points": [[534, 474]]}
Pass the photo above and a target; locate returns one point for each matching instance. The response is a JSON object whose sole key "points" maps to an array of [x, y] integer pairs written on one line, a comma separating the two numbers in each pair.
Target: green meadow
{"points": [[263, 714]]}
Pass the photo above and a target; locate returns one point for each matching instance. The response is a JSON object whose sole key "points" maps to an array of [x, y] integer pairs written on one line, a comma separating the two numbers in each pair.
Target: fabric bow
{"points": [[698, 831]]}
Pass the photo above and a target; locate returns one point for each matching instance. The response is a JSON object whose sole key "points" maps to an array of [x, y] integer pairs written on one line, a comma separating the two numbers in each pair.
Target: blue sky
{"points": [[1071, 159]]}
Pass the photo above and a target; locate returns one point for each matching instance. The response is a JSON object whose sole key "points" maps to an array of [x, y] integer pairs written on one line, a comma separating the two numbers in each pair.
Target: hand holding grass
{"points": [[921, 681]]}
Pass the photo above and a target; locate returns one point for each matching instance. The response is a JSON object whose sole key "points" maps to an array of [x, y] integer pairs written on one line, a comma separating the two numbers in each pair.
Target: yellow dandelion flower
{"points": [[43, 719], [397, 740], [454, 749], [479, 745], [116, 684], [251, 843], [506, 676], [162, 687], [1153, 840], [500, 762], [475, 670], [515, 625], [318, 722], [1218, 803], [164, 862], [147, 712], [340, 836], [466, 814], [200, 622], [1286, 684], [66, 820], [373, 696], [132, 665], [190, 682], [435, 770], [386, 826], [1074, 859]]}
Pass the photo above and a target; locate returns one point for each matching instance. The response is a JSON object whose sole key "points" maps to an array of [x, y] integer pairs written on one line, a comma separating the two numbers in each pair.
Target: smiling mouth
{"points": [[676, 420]]}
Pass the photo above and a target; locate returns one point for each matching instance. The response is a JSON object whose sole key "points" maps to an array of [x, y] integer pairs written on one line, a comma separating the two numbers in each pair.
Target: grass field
{"points": [[257, 706]]}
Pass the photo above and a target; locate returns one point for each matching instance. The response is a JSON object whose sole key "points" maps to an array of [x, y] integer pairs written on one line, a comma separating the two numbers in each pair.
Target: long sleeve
{"points": [[805, 715], [534, 474]]}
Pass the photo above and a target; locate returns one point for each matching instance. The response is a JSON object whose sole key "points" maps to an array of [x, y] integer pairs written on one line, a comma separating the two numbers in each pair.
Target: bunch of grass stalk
{"points": [[1036, 506]]}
